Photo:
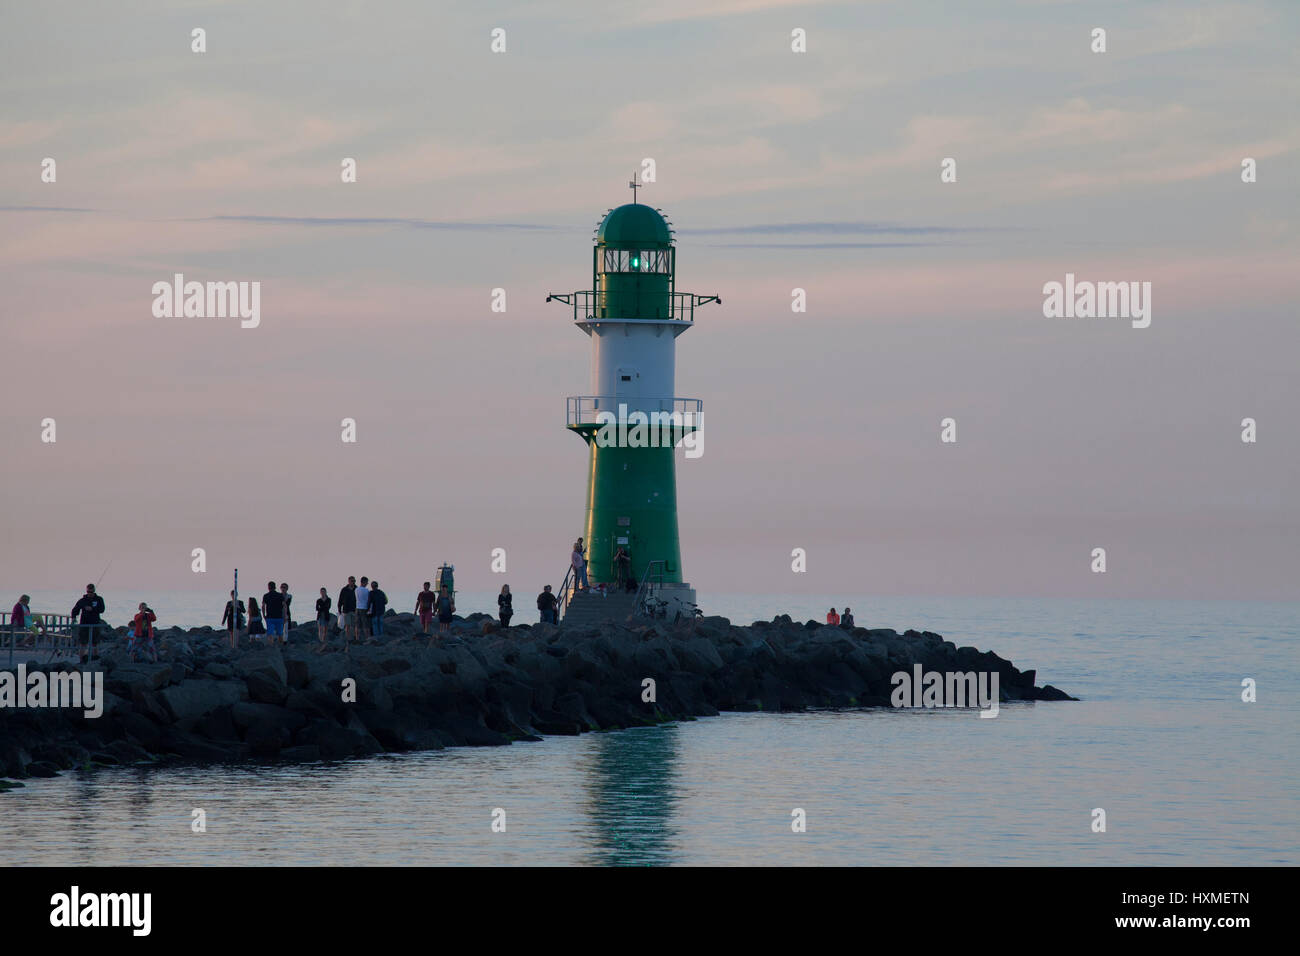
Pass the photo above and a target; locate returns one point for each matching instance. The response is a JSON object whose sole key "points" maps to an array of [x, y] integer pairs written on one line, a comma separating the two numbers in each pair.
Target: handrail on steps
{"points": [[564, 595], [638, 606]]}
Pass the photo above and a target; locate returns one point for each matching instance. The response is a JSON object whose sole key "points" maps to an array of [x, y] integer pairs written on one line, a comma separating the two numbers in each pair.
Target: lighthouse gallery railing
{"points": [[584, 409], [595, 305]]}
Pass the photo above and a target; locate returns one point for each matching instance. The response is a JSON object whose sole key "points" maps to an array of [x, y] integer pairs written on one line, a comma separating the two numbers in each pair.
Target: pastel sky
{"points": [[780, 170]]}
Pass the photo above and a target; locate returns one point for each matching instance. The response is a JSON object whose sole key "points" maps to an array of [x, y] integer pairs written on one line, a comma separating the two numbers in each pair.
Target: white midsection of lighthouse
{"points": [[634, 362]]}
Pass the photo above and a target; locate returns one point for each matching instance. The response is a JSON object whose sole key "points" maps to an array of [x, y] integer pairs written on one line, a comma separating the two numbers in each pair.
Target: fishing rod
{"points": [[106, 567]]}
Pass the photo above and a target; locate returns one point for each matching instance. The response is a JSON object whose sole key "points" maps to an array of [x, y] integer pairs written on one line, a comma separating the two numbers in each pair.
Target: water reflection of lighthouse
{"points": [[633, 314]]}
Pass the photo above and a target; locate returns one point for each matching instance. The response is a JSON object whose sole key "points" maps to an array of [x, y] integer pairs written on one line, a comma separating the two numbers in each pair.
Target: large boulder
{"points": [[297, 672], [125, 678], [268, 662], [192, 699], [141, 729], [264, 688], [699, 655], [248, 715]]}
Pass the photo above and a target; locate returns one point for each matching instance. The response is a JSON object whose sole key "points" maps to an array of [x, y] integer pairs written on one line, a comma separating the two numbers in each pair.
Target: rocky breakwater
{"points": [[482, 686]]}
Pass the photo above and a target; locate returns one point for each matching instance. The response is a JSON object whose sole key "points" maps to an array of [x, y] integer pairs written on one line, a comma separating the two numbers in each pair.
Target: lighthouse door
{"points": [[623, 538]]}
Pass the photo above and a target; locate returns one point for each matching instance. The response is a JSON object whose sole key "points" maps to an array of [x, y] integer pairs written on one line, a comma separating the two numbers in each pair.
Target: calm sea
{"points": [[1186, 772]]}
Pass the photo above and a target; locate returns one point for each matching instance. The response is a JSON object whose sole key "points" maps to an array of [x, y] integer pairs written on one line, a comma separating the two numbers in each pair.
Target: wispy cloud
{"points": [[46, 209], [838, 229], [378, 221], [819, 245]]}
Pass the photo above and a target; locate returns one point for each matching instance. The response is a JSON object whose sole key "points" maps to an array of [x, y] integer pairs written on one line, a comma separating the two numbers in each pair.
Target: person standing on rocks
{"points": [[832, 618], [846, 620], [378, 605], [323, 616], [348, 609], [90, 606], [505, 605], [363, 608], [446, 608], [255, 628], [288, 606], [273, 611], [233, 619], [424, 602], [142, 634], [546, 604]]}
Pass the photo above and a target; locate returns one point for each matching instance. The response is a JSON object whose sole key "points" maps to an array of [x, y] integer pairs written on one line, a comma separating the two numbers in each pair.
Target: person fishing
{"points": [[90, 607]]}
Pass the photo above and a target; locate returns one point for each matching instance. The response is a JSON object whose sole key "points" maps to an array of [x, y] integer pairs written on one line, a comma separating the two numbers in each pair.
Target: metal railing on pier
{"points": [[44, 636]]}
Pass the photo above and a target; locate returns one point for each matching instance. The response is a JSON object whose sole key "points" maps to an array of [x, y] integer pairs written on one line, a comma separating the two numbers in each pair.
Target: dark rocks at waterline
{"points": [[204, 702]]}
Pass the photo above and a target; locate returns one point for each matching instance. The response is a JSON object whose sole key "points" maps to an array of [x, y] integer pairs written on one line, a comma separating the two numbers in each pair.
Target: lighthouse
{"points": [[632, 419]]}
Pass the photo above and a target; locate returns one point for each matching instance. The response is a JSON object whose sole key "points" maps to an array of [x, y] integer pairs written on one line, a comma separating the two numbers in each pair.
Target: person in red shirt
{"points": [[424, 602], [832, 618], [142, 633]]}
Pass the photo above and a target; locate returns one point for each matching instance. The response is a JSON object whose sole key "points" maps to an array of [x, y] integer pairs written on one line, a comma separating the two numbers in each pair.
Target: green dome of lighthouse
{"points": [[633, 225]]}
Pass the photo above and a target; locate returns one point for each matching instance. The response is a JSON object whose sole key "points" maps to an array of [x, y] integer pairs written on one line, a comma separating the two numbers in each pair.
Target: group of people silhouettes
{"points": [[429, 603], [578, 559], [360, 610], [86, 615], [270, 617], [621, 568], [844, 620]]}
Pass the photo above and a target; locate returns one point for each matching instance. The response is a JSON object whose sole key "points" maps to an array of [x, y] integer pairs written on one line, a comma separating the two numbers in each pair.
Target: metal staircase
{"points": [[592, 607]]}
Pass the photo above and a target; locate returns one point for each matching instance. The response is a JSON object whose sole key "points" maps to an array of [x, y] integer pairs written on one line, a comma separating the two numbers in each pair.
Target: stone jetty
{"points": [[480, 686]]}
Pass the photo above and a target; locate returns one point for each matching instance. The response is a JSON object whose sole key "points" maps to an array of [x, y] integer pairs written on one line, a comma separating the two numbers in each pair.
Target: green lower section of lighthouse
{"points": [[631, 502]]}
